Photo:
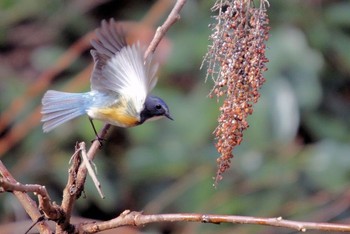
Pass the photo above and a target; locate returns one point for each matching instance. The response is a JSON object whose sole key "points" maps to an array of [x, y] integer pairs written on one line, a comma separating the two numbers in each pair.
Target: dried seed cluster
{"points": [[236, 60]]}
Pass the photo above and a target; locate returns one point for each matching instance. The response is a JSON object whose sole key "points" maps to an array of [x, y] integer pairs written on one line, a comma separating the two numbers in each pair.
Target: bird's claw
{"points": [[100, 141]]}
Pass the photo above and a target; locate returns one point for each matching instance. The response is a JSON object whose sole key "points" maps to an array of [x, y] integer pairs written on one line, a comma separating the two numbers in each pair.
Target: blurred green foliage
{"points": [[294, 161]]}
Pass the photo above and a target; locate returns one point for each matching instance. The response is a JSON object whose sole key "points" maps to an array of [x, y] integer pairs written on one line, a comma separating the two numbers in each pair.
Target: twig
{"points": [[40, 219], [28, 204], [81, 176], [76, 180], [70, 193], [52, 211], [161, 30], [139, 219], [92, 174]]}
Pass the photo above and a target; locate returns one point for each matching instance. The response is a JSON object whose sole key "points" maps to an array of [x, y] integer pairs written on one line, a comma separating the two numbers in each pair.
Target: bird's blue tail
{"points": [[59, 107]]}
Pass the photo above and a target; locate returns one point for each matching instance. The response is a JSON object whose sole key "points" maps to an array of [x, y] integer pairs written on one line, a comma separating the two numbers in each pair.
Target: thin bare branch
{"points": [[71, 192], [92, 174], [139, 219], [76, 180], [27, 203], [51, 210], [161, 30]]}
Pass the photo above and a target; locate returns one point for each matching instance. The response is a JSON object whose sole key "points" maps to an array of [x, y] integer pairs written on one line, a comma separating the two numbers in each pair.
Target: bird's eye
{"points": [[158, 107]]}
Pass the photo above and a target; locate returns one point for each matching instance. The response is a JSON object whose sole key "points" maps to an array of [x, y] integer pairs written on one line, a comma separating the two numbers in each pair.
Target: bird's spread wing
{"points": [[119, 67]]}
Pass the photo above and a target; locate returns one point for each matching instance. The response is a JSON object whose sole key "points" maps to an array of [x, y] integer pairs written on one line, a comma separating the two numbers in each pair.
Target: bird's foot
{"points": [[100, 141]]}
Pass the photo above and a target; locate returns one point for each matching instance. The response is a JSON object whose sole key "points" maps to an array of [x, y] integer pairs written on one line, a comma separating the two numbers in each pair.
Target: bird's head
{"points": [[154, 108]]}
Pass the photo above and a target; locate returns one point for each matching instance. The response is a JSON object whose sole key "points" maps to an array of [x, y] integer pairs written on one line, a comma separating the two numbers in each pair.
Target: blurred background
{"points": [[294, 161]]}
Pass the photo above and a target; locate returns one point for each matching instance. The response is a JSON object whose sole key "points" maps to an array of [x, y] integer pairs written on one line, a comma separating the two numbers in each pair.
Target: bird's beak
{"points": [[168, 116]]}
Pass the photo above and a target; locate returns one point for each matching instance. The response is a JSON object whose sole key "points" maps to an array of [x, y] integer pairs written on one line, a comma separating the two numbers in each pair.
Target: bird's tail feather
{"points": [[60, 107]]}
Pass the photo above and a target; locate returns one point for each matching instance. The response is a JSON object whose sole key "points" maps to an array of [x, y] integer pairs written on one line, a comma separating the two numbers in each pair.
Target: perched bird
{"points": [[120, 85]]}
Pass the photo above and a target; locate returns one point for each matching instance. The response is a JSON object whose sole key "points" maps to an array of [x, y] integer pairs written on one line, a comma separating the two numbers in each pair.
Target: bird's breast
{"points": [[114, 115]]}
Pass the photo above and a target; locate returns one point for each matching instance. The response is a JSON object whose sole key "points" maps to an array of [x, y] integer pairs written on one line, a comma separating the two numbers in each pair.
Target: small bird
{"points": [[120, 85]]}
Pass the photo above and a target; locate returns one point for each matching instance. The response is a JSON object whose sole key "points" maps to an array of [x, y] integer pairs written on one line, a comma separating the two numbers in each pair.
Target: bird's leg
{"points": [[100, 140]]}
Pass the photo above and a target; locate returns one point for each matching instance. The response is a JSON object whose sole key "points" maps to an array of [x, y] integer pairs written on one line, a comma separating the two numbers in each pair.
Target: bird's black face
{"points": [[154, 108]]}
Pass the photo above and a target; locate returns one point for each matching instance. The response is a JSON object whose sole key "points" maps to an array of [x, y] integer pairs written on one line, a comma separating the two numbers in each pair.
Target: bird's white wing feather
{"points": [[110, 39], [126, 74], [121, 68]]}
